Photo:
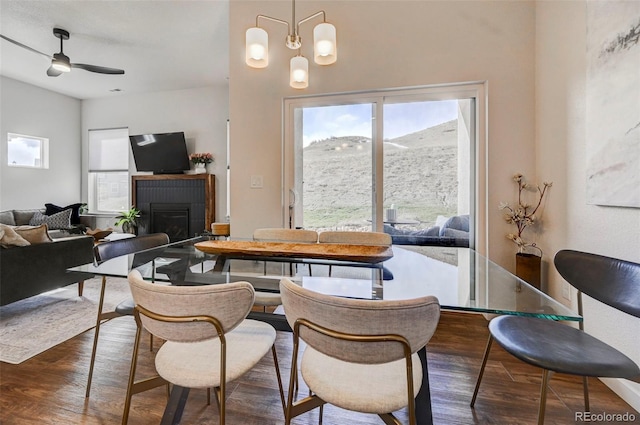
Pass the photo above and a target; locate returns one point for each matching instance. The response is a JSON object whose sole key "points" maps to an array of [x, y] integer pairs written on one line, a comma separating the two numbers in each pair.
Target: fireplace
{"points": [[172, 219], [180, 205]]}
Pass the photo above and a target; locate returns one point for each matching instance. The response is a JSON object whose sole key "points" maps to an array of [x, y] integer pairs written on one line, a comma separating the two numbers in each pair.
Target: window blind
{"points": [[109, 150]]}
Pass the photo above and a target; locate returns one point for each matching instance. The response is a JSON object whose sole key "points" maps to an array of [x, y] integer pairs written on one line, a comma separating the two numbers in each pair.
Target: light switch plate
{"points": [[256, 182]]}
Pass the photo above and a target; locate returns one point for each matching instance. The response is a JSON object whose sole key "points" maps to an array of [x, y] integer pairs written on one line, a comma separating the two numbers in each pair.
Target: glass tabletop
{"points": [[461, 278]]}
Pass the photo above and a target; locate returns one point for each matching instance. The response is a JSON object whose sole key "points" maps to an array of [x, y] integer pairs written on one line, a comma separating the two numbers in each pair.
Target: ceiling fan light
{"points": [[60, 62], [257, 48], [299, 72], [324, 44]]}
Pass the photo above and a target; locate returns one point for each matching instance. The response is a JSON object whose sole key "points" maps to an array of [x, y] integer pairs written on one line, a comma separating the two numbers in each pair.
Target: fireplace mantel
{"points": [[198, 190]]}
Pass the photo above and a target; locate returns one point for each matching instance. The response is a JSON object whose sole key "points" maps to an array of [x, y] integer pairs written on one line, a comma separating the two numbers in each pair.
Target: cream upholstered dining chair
{"points": [[361, 355], [269, 299], [356, 238], [106, 251], [208, 340]]}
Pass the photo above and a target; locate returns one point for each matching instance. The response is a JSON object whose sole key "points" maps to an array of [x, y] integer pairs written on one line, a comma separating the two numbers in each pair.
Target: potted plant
{"points": [[522, 216], [128, 220]]}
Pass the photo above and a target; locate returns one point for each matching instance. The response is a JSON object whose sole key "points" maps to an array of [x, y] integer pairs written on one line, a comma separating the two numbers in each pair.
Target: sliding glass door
{"points": [[333, 166], [398, 161]]}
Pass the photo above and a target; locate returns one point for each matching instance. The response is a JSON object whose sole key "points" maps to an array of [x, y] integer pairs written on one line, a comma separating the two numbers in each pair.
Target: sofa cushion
{"points": [[23, 217], [6, 217], [454, 233], [34, 234], [457, 222], [9, 237], [61, 220], [51, 209]]}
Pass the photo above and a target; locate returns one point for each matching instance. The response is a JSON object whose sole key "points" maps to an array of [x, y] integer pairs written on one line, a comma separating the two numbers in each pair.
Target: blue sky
{"points": [[355, 120]]}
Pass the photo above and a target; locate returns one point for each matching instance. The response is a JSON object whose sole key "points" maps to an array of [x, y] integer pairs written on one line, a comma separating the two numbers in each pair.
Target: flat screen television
{"points": [[161, 153]]}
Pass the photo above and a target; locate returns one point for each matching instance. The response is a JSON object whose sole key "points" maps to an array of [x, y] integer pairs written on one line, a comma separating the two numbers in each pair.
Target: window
{"points": [[27, 151], [109, 170]]}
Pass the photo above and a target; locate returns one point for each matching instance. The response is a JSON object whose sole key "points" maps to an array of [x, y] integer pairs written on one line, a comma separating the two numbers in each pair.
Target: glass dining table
{"points": [[461, 279]]}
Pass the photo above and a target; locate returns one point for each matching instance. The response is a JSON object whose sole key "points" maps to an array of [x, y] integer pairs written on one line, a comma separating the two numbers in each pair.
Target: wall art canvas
{"points": [[613, 103]]}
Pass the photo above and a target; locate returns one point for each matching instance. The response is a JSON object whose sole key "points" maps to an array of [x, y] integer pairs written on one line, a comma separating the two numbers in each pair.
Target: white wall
{"points": [[201, 113], [561, 157], [385, 45], [33, 111]]}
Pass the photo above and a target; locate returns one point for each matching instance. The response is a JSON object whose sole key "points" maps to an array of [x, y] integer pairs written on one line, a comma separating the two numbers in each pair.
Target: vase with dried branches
{"points": [[523, 215]]}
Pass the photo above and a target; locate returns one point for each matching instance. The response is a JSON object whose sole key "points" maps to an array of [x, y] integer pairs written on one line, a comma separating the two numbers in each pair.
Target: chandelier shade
{"points": [[324, 43], [324, 46], [257, 48], [299, 72]]}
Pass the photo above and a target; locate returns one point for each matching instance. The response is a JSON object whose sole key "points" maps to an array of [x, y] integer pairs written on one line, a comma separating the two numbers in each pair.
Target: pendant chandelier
{"points": [[324, 46]]}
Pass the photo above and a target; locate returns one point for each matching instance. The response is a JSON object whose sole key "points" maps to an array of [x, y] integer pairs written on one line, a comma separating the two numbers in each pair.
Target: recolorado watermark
{"points": [[604, 417]]}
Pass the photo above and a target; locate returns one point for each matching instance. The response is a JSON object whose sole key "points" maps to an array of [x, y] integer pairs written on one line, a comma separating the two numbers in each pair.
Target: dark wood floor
{"points": [[49, 388]]}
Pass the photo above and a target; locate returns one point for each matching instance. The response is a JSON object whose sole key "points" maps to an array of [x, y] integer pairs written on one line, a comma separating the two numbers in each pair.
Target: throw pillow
{"points": [[75, 211], [6, 217], [34, 234], [60, 220], [9, 237], [22, 217], [457, 222]]}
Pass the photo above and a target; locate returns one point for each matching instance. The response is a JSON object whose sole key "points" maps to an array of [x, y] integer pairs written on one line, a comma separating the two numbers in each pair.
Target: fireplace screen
{"points": [[172, 219]]}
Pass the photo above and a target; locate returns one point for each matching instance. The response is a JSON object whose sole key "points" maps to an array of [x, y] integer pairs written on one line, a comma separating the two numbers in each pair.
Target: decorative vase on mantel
{"points": [[201, 168], [528, 268]]}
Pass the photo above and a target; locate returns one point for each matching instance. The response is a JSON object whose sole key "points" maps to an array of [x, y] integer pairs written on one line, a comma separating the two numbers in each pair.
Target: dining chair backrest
{"points": [[356, 238], [415, 319], [286, 235], [609, 280], [229, 303], [108, 250]]}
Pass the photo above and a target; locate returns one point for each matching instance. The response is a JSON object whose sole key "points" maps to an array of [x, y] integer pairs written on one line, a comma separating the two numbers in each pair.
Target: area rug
{"points": [[33, 325]]}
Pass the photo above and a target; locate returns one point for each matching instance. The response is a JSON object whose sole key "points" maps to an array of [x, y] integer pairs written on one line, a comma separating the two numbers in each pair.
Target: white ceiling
{"points": [[161, 45]]}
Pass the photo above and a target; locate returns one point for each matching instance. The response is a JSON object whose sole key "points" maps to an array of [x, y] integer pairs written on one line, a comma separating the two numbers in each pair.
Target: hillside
{"points": [[420, 177]]}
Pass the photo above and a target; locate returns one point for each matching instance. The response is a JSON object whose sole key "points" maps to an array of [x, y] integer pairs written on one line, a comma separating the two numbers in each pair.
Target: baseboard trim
{"points": [[626, 390]]}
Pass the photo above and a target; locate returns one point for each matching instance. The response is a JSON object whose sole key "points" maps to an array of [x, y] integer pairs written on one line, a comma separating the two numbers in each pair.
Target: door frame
{"points": [[478, 150]]}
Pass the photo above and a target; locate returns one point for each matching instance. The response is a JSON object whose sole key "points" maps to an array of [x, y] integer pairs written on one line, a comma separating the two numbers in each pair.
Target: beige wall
{"points": [[532, 55], [385, 44], [561, 156]]}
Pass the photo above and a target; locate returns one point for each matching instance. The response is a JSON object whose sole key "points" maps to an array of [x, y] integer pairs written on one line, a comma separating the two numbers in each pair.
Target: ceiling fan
{"points": [[60, 63]]}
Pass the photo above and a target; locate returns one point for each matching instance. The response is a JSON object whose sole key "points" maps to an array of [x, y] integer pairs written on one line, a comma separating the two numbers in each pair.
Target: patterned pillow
{"points": [[34, 234], [9, 237], [75, 211], [61, 220]]}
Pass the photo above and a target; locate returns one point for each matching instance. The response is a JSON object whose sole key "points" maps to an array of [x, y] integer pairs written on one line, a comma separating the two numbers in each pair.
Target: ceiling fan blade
{"points": [[52, 72], [98, 69], [17, 43]]}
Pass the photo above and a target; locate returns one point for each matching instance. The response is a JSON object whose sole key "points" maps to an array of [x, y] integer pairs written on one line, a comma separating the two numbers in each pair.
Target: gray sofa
{"points": [[30, 270], [453, 232]]}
